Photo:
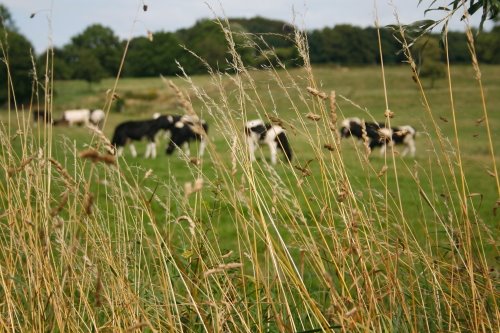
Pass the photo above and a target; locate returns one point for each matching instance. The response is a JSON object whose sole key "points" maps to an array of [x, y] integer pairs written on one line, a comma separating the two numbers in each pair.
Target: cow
{"points": [[185, 130], [81, 117], [259, 133], [135, 130], [380, 136]]}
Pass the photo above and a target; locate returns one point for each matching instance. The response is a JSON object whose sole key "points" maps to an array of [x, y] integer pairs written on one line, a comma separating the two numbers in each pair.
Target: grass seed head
{"points": [[313, 116], [382, 171], [277, 121], [317, 93], [329, 146], [64, 173], [88, 202], [95, 156], [192, 225]]}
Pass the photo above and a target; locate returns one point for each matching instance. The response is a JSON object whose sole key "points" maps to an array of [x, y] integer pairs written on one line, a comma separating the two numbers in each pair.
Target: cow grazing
{"points": [[185, 130], [259, 133], [81, 117], [129, 131], [380, 136]]}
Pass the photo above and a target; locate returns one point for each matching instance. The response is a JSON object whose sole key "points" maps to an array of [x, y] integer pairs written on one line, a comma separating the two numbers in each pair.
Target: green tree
{"points": [[343, 44], [151, 58], [15, 50], [428, 55], [62, 70], [87, 67], [488, 46], [6, 20], [207, 40], [273, 33], [102, 43]]}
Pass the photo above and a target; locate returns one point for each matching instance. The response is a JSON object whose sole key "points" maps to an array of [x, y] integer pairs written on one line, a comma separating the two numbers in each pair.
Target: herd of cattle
{"points": [[185, 129]]}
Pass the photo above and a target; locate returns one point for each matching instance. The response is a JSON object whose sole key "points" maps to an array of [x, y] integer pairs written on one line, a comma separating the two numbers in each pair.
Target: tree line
{"points": [[96, 52]]}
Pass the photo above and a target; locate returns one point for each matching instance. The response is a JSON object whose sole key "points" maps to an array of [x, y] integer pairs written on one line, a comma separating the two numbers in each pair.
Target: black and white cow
{"points": [[136, 130], [405, 135], [380, 136], [259, 133], [185, 130]]}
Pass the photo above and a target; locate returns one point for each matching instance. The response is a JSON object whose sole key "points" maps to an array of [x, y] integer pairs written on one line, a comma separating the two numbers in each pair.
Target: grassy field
{"points": [[359, 94], [337, 239]]}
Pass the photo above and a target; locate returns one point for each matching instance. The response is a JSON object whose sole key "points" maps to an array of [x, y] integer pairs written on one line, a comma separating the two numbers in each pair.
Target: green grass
{"points": [[360, 85]]}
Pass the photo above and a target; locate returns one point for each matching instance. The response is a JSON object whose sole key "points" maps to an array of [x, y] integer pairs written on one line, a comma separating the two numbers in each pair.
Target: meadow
{"points": [[339, 239], [359, 94]]}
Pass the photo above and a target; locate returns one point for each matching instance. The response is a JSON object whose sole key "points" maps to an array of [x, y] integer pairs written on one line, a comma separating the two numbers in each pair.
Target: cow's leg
{"points": [[413, 149], [119, 151], [148, 150], [383, 149], [405, 150], [251, 148], [203, 145], [273, 147], [153, 149], [186, 149], [132, 150], [409, 146]]}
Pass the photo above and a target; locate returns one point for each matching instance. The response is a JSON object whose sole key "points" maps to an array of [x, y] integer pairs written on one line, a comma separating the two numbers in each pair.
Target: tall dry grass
{"points": [[84, 249]]}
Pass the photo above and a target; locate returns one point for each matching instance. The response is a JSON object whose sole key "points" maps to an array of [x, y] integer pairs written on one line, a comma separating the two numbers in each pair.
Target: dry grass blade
{"points": [[110, 148], [14, 170], [68, 179], [139, 326], [222, 268], [186, 104], [62, 202], [341, 244]]}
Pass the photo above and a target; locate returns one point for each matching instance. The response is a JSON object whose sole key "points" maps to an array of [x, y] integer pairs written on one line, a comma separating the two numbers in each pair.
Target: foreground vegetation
{"points": [[338, 240]]}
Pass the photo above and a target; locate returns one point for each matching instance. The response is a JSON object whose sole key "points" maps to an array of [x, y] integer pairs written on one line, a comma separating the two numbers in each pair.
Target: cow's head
{"points": [[345, 127]]}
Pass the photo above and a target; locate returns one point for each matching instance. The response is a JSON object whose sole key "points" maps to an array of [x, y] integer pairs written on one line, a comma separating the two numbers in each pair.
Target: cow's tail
{"points": [[284, 145]]}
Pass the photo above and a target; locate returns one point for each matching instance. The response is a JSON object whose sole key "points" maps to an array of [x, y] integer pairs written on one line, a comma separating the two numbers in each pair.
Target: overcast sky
{"points": [[57, 21]]}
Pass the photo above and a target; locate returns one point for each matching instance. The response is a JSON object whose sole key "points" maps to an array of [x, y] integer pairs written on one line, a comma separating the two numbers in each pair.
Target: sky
{"points": [[56, 21]]}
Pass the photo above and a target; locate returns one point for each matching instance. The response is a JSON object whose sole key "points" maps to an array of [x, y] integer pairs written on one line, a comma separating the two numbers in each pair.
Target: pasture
{"points": [[336, 239], [359, 94]]}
